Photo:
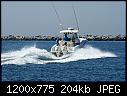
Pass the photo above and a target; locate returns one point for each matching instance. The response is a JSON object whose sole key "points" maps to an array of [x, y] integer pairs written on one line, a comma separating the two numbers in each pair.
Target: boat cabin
{"points": [[70, 37]]}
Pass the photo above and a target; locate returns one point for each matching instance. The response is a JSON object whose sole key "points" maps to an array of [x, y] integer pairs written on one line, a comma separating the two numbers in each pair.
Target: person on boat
{"points": [[58, 52], [64, 48], [57, 41], [66, 37], [61, 42], [77, 41], [69, 36], [73, 38]]}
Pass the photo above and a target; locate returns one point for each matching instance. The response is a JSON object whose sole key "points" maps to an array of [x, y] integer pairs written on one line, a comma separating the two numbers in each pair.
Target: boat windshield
{"points": [[70, 36]]}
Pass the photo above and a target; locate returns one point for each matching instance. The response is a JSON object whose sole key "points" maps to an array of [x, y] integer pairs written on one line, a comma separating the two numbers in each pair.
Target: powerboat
{"points": [[69, 43]]}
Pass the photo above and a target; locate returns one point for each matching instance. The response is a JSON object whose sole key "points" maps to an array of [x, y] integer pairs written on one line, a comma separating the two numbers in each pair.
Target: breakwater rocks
{"points": [[53, 38]]}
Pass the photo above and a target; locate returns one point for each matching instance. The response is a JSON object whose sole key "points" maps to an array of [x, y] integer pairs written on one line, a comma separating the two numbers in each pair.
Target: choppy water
{"points": [[32, 61]]}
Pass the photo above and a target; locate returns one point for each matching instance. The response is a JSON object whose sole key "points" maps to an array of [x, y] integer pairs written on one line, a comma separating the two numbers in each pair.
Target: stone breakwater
{"points": [[88, 37]]}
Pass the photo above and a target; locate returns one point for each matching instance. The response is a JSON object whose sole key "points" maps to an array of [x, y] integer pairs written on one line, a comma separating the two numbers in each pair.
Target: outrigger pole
{"points": [[75, 17], [57, 16]]}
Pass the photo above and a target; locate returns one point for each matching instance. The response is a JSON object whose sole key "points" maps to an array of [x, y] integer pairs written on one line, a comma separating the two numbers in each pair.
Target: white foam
{"points": [[32, 55]]}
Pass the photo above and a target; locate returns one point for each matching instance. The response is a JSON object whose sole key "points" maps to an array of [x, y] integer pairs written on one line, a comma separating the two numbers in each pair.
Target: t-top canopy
{"points": [[69, 30]]}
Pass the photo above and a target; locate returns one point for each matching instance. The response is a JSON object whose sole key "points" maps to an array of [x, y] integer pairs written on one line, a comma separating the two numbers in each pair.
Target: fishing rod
{"points": [[57, 16], [75, 17]]}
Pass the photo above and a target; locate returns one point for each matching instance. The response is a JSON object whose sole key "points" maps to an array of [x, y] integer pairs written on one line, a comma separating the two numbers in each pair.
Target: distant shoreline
{"points": [[55, 40], [51, 38]]}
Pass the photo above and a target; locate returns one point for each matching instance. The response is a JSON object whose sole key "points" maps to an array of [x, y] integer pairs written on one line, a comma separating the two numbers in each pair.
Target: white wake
{"points": [[33, 55]]}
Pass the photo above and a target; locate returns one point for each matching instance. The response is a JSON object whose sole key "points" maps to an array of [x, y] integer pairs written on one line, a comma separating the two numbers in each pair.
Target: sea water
{"points": [[32, 61]]}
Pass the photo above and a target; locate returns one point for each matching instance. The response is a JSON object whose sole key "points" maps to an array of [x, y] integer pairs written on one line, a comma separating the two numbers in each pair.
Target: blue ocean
{"points": [[32, 61]]}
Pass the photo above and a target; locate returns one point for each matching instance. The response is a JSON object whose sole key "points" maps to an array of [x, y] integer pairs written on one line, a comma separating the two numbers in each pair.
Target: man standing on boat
{"points": [[66, 37], [75, 39]]}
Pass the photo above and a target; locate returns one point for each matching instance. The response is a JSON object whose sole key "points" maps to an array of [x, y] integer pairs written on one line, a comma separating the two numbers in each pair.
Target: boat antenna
{"points": [[75, 17], [57, 16]]}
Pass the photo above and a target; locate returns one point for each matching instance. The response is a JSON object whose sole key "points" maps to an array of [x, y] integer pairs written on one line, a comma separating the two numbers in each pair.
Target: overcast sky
{"points": [[39, 17]]}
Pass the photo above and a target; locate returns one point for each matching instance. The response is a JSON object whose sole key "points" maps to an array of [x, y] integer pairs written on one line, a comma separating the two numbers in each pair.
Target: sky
{"points": [[39, 17]]}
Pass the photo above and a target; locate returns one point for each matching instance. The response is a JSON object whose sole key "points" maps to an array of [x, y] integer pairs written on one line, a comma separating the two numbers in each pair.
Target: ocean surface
{"points": [[32, 61]]}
